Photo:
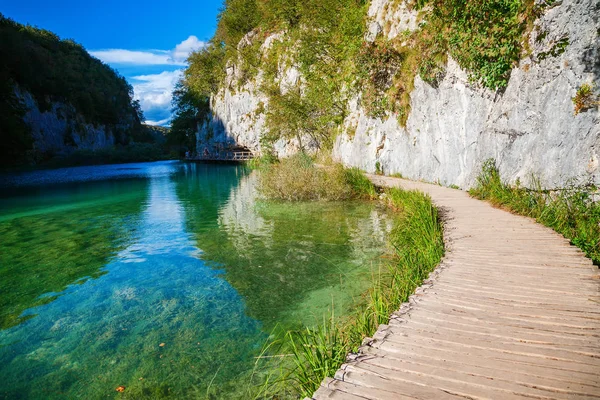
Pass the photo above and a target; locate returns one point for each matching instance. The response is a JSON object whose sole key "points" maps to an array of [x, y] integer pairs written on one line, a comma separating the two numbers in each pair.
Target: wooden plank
{"points": [[479, 385], [500, 369]]}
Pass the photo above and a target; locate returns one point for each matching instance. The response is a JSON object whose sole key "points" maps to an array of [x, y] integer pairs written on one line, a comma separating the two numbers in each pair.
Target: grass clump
{"points": [[316, 353], [297, 178], [571, 211], [418, 247]]}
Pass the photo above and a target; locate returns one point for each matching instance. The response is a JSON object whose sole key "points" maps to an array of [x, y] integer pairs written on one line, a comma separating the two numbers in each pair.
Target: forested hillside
{"points": [[61, 78]]}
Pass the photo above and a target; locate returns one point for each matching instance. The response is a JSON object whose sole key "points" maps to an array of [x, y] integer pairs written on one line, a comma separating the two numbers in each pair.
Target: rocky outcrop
{"points": [[529, 127], [239, 110], [58, 128]]}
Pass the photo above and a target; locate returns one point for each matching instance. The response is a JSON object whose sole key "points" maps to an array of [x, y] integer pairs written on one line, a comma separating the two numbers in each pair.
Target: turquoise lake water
{"points": [[166, 278]]}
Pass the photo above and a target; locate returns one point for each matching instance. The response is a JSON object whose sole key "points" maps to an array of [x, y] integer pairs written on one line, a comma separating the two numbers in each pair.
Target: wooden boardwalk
{"points": [[225, 156], [512, 312]]}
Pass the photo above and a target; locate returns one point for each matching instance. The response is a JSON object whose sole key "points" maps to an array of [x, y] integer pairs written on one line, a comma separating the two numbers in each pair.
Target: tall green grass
{"points": [[571, 211], [298, 178], [361, 185], [418, 247]]}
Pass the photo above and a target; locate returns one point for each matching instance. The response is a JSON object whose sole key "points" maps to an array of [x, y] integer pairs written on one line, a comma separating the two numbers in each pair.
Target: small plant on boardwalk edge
{"points": [[571, 211]]}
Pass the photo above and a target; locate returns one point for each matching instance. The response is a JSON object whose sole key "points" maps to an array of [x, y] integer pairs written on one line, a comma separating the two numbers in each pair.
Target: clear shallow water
{"points": [[167, 278]]}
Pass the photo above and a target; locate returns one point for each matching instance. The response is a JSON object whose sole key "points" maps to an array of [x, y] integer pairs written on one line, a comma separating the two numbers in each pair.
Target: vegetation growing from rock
{"points": [[56, 70], [327, 45], [584, 98]]}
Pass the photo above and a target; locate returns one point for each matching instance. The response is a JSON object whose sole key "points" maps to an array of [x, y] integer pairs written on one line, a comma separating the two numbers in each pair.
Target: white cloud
{"points": [[121, 56], [162, 122], [155, 91], [183, 49], [176, 56]]}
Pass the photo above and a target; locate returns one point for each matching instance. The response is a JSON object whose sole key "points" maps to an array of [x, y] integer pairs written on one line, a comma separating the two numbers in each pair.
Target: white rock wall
{"points": [[529, 128], [61, 130], [238, 113]]}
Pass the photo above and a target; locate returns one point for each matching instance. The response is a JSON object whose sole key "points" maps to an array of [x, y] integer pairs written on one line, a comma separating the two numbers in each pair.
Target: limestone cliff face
{"points": [[238, 111], [529, 128], [59, 129]]}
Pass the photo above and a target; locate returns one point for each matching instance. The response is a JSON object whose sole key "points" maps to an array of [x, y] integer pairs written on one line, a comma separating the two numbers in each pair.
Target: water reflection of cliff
{"points": [[59, 237], [289, 261]]}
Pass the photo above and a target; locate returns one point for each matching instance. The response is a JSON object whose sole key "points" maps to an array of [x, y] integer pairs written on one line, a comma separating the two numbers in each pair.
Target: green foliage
{"points": [[485, 37], [236, 19], [325, 43], [572, 211], [206, 71], [190, 108], [418, 246], [15, 137], [378, 62], [557, 49], [263, 161], [281, 14], [69, 73], [316, 353], [135, 152]]}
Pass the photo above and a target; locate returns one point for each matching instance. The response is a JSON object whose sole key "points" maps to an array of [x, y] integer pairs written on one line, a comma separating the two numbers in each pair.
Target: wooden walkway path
{"points": [[233, 156], [512, 312]]}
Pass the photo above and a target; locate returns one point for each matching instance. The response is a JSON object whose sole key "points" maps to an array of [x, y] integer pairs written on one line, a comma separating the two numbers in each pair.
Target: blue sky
{"points": [[146, 41]]}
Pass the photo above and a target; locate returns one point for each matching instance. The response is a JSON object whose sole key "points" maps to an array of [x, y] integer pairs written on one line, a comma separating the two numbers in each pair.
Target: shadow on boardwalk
{"points": [[511, 312]]}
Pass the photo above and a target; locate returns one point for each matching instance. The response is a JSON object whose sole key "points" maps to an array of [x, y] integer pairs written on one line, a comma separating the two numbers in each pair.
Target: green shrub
{"points": [[264, 161], [485, 37], [298, 179], [571, 211]]}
